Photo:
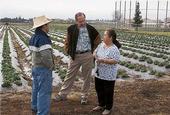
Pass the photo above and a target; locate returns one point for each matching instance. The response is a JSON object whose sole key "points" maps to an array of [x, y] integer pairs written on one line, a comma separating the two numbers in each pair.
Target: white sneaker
{"points": [[83, 100], [97, 108], [106, 112]]}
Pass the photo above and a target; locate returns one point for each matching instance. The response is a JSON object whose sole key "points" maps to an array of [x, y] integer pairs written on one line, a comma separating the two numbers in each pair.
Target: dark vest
{"points": [[73, 33]]}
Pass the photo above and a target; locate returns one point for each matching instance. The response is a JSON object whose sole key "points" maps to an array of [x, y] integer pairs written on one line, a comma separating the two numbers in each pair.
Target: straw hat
{"points": [[39, 21]]}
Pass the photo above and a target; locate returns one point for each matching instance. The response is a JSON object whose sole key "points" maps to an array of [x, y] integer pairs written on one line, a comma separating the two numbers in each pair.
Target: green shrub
{"points": [[161, 64], [165, 57], [125, 75], [16, 77], [9, 73], [142, 58], [6, 83], [125, 54], [135, 57], [122, 63], [137, 68], [160, 74], [156, 62], [167, 66], [122, 74], [149, 61], [143, 69], [127, 64], [18, 82], [152, 72], [131, 66], [62, 73], [130, 56]]}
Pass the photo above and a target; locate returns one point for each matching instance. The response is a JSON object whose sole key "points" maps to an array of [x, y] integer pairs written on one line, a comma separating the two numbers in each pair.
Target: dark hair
{"points": [[38, 29], [111, 33], [79, 14]]}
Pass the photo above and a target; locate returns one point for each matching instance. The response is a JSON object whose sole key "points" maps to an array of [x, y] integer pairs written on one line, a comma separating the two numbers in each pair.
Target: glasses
{"points": [[79, 14]]}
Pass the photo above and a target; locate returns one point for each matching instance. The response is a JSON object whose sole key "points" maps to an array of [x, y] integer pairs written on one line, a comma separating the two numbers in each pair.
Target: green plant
{"points": [[18, 82], [122, 74], [161, 64], [125, 54], [152, 72], [156, 62], [160, 74], [143, 69], [137, 68], [130, 55], [149, 61], [142, 58], [167, 66], [122, 63], [127, 64], [135, 56], [125, 75], [165, 57], [6, 83], [131, 66], [62, 73], [9, 73]]}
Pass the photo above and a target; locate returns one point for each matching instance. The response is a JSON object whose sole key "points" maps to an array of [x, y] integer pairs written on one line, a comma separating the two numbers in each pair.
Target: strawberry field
{"points": [[143, 56], [143, 75]]}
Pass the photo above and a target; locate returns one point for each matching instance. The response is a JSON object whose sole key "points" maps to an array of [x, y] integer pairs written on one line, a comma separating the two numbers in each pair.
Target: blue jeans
{"points": [[41, 90]]}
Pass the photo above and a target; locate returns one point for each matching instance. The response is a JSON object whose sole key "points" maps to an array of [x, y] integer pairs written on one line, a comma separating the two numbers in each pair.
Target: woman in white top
{"points": [[107, 56]]}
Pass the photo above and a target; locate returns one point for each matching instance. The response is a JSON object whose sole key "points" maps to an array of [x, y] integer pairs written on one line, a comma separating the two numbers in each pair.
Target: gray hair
{"points": [[79, 14]]}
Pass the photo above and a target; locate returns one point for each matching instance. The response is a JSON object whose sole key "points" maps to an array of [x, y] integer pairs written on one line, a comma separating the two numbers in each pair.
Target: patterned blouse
{"points": [[107, 71]]}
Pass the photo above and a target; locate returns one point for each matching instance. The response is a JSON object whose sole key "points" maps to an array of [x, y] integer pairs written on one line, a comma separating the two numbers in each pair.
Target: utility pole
{"points": [[146, 19], [157, 14], [115, 13], [130, 10], [120, 12], [125, 14], [166, 17]]}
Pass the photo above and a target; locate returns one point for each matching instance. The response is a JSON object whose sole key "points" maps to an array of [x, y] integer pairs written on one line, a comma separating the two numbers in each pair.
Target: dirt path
{"points": [[141, 97], [21, 58]]}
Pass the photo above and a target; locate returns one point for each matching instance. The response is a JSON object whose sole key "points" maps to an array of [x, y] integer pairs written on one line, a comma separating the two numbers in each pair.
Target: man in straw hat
{"points": [[42, 66], [80, 43]]}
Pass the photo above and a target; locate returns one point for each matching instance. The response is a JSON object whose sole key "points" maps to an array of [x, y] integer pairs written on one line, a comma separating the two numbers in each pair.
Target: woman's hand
{"points": [[100, 60], [106, 61], [94, 55]]}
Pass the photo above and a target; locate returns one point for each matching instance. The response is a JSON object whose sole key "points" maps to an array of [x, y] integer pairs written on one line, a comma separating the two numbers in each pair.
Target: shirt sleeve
{"points": [[115, 54], [97, 49], [47, 58]]}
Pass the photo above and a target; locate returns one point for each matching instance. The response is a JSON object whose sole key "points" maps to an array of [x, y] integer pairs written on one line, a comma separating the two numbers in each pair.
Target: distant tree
{"points": [[14, 20], [138, 17]]}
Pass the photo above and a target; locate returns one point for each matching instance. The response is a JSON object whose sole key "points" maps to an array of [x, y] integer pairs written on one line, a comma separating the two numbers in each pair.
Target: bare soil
{"points": [[139, 97]]}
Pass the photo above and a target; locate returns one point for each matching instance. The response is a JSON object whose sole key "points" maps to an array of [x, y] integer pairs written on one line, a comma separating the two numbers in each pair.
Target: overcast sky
{"points": [[94, 9]]}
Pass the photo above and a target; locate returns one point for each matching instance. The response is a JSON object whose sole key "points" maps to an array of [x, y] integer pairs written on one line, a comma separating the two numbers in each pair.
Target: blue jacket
{"points": [[39, 39], [40, 46]]}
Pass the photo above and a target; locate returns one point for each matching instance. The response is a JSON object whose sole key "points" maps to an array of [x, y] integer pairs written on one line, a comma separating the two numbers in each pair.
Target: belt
{"points": [[82, 52]]}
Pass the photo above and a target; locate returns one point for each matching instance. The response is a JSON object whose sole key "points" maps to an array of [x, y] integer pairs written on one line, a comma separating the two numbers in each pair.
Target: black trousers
{"points": [[105, 92]]}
